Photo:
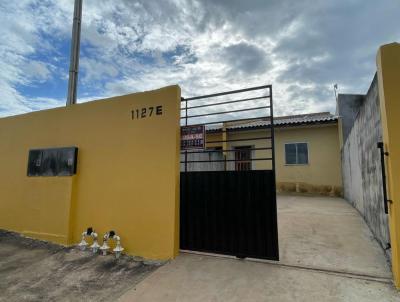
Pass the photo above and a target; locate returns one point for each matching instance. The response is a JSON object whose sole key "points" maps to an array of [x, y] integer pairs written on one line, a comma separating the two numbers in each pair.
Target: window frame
{"points": [[297, 164]]}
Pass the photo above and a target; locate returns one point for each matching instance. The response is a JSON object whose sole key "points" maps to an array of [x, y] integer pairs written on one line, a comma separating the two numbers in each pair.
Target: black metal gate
{"points": [[228, 194]]}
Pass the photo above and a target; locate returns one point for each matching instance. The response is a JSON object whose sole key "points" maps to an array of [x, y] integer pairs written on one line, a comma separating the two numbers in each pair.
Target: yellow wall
{"points": [[388, 63], [323, 173], [127, 178]]}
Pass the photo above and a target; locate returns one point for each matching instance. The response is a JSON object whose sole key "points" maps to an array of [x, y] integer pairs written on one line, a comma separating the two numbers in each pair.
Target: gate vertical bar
{"points": [[271, 108], [271, 113], [186, 121]]}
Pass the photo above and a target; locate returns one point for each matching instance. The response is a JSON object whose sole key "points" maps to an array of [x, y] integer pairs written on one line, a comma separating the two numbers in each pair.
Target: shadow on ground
{"points": [[32, 270]]}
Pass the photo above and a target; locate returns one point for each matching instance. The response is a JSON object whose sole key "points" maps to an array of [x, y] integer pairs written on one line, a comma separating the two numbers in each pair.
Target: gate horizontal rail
{"points": [[228, 102], [225, 160], [228, 150], [229, 92], [225, 112]]}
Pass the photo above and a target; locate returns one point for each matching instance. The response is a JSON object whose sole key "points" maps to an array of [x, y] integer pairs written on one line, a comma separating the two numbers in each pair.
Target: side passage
{"points": [[229, 212]]}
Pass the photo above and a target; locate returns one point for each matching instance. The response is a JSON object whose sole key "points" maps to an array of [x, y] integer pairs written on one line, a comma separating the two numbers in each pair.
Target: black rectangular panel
{"points": [[229, 212], [53, 161]]}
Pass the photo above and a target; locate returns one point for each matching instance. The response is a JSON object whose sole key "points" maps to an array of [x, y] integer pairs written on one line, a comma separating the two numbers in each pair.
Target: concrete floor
{"points": [[327, 254], [32, 270], [327, 233]]}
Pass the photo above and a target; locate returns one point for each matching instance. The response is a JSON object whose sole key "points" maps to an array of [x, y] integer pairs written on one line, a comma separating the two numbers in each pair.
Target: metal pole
{"points": [[75, 45]]}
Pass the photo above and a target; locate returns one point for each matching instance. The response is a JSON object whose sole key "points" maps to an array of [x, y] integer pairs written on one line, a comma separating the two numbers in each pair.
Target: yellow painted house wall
{"points": [[127, 178], [323, 173]]}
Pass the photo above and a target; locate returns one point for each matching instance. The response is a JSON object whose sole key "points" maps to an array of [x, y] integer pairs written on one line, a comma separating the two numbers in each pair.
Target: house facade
{"points": [[307, 151]]}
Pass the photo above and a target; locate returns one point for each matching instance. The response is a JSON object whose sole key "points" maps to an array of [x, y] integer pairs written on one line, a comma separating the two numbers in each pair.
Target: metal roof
{"points": [[283, 121]]}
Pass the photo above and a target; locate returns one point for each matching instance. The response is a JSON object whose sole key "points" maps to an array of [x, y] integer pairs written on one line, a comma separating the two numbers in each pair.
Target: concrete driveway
{"points": [[327, 254], [328, 233]]}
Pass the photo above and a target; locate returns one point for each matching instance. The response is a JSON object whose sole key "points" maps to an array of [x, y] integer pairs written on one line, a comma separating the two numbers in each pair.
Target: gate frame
{"points": [[269, 127]]}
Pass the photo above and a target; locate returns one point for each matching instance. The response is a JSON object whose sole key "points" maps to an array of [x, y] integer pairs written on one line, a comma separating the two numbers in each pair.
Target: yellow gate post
{"points": [[388, 66]]}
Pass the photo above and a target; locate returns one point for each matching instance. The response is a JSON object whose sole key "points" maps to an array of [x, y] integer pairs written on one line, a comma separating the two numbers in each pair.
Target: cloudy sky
{"points": [[301, 47]]}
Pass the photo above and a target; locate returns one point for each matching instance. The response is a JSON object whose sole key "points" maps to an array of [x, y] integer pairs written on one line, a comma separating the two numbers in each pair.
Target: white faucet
{"points": [[88, 233], [95, 246], [105, 247]]}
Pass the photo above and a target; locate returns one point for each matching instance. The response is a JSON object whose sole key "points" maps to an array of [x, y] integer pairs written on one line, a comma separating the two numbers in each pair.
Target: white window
{"points": [[296, 153]]}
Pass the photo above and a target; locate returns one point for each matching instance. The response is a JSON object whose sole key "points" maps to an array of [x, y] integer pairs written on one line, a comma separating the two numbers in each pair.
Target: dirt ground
{"points": [[32, 270]]}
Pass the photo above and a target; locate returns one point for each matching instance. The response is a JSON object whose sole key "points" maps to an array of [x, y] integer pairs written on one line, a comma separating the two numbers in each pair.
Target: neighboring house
{"points": [[307, 151]]}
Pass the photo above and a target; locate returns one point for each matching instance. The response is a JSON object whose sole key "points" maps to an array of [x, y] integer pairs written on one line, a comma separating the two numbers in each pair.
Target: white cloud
{"points": [[301, 47], [37, 71], [22, 28], [95, 70]]}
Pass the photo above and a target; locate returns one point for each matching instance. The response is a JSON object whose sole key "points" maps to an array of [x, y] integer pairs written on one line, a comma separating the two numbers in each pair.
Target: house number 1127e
{"points": [[146, 112]]}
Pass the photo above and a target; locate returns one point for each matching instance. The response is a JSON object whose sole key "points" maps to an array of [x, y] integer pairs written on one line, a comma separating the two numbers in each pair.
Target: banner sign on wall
{"points": [[193, 137]]}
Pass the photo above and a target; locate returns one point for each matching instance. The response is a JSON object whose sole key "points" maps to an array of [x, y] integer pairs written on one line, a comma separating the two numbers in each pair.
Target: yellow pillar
{"points": [[388, 66]]}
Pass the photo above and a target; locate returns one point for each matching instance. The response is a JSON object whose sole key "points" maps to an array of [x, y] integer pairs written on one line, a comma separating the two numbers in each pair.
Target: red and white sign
{"points": [[193, 137]]}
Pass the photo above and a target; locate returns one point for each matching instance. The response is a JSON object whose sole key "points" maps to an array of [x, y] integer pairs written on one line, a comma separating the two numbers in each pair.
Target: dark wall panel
{"points": [[53, 161]]}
